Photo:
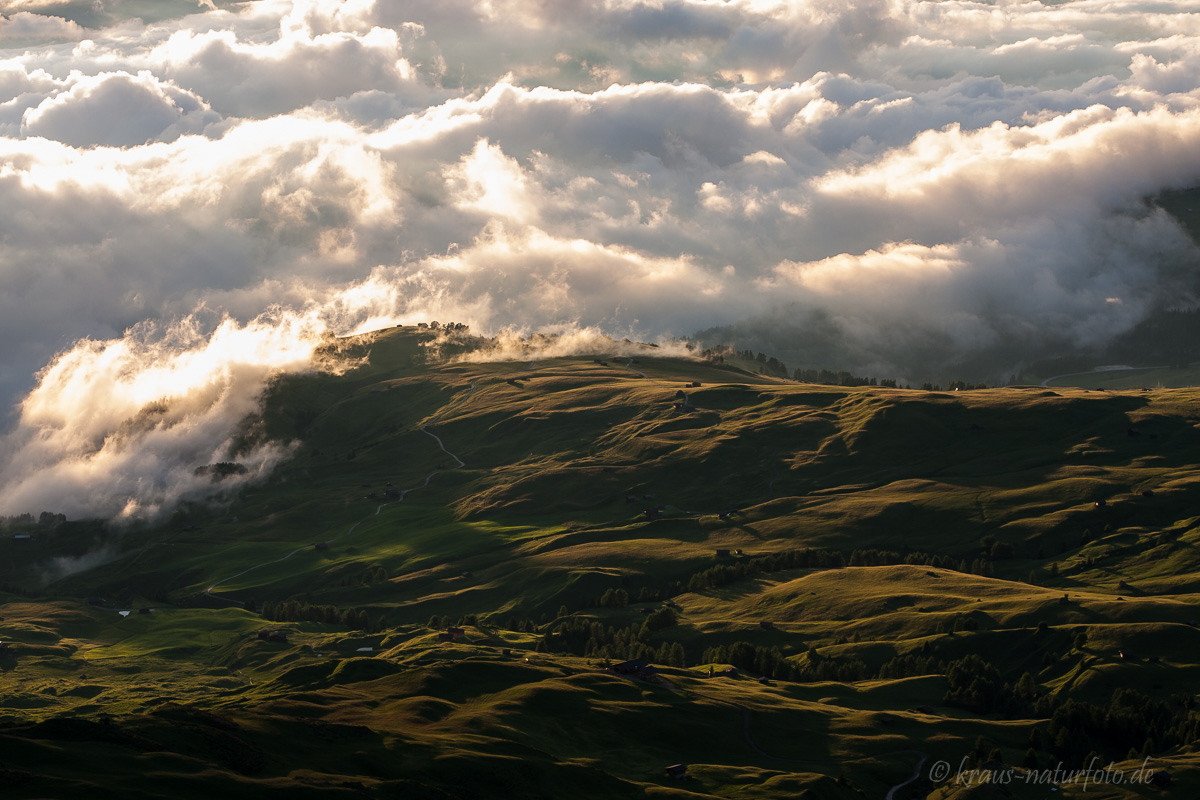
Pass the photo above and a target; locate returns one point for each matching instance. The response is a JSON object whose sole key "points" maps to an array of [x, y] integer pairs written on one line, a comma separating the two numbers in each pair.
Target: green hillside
{"points": [[1131, 378], [1002, 580]]}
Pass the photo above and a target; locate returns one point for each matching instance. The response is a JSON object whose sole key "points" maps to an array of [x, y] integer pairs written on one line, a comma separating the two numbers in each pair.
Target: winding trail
{"points": [[746, 731], [915, 776], [424, 428], [1095, 371]]}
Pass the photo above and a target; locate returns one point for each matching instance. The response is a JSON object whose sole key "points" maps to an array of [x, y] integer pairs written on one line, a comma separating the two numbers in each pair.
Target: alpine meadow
{"points": [[738, 399]]}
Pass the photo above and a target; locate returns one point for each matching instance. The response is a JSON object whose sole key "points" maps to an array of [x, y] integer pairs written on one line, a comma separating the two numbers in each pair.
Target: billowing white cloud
{"points": [[916, 175], [120, 428], [25, 26], [117, 109]]}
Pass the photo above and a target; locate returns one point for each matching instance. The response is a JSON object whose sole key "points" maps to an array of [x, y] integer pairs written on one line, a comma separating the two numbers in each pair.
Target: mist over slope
{"points": [[914, 183]]}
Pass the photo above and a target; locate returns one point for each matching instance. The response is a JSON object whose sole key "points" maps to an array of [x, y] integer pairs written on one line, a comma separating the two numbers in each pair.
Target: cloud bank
{"points": [[921, 177]]}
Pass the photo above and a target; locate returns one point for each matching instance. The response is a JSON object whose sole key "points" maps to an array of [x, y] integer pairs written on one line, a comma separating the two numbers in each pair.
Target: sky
{"points": [[196, 193]]}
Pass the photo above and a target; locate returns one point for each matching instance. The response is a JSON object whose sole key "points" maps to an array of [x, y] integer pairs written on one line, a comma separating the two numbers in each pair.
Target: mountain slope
{"points": [[908, 572]]}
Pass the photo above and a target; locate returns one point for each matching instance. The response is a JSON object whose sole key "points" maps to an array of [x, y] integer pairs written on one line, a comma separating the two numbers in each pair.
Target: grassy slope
{"points": [[1131, 379], [538, 517]]}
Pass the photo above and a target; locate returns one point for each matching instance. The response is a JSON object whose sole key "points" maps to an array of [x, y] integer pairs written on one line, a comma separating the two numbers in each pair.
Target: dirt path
{"points": [[424, 428], [746, 732], [1095, 371], [915, 776]]}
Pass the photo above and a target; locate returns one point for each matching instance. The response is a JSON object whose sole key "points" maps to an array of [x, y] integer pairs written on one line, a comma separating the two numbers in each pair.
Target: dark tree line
{"points": [[770, 662], [828, 377], [45, 521], [221, 470], [1129, 724], [593, 639], [722, 574], [295, 611]]}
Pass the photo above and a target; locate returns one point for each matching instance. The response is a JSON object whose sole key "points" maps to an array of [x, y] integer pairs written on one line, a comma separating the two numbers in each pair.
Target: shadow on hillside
{"points": [[931, 435], [750, 530]]}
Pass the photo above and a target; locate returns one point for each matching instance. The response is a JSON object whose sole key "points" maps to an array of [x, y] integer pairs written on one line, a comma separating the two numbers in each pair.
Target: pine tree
{"points": [[678, 656]]}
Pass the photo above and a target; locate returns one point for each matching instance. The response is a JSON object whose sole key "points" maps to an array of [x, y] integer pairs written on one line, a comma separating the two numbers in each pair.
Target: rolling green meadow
{"points": [[840, 589]]}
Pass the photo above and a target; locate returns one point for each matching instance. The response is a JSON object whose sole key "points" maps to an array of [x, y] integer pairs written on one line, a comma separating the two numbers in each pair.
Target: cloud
{"points": [[1174, 75], [300, 67], [908, 183], [27, 26], [489, 182], [117, 109], [118, 428], [122, 428], [560, 341]]}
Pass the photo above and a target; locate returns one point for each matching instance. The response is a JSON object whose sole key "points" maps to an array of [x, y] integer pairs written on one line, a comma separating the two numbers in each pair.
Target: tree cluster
{"points": [[44, 521], [375, 573], [295, 611], [593, 639], [449, 327], [1129, 724], [722, 574], [770, 662], [828, 377], [614, 598], [221, 470]]}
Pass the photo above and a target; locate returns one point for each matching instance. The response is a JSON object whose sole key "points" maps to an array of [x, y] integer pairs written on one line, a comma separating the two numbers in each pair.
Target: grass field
{"points": [[915, 577], [1131, 379]]}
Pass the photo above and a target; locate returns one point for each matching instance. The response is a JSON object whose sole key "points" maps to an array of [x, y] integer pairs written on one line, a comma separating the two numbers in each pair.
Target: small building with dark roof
{"points": [[1161, 779], [677, 771], [635, 666]]}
